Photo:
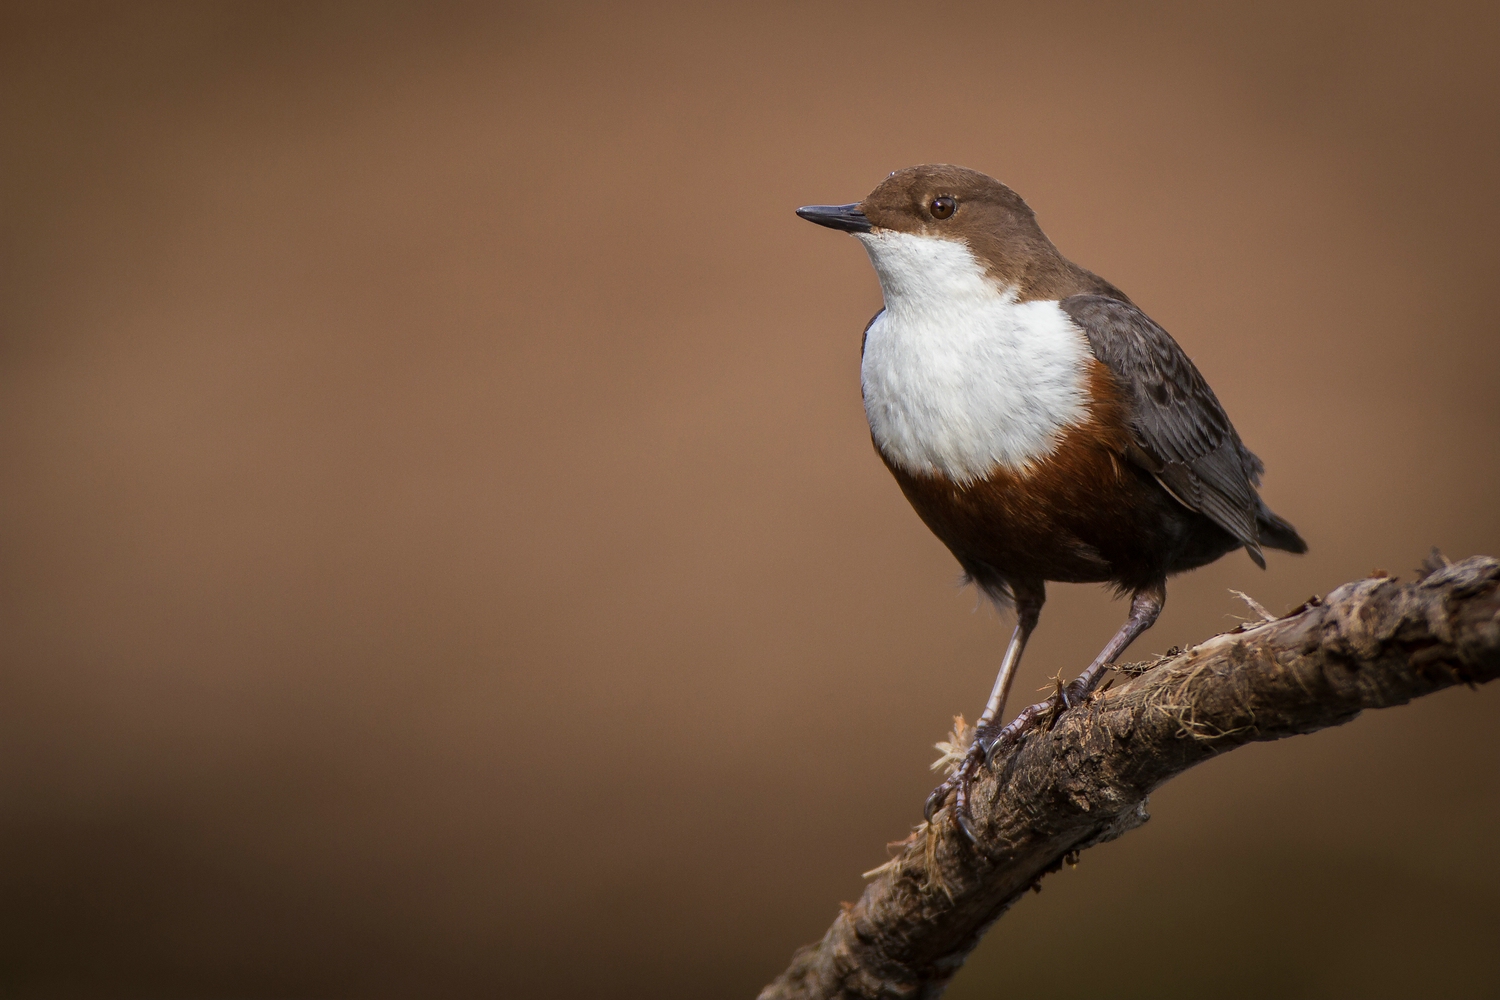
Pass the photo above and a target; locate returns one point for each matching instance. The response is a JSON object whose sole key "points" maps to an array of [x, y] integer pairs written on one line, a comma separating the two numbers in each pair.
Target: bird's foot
{"points": [[1064, 696], [987, 743], [990, 741], [959, 783], [1045, 714]]}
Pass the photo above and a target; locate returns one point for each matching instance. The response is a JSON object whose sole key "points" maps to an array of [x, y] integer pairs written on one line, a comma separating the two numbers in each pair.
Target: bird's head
{"points": [[923, 222]]}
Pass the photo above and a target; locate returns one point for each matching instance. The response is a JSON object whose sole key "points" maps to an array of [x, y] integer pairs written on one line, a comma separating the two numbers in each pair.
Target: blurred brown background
{"points": [[442, 550]]}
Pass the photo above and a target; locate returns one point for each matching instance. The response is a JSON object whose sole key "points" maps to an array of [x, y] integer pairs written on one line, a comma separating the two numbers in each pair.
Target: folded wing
{"points": [[1181, 433]]}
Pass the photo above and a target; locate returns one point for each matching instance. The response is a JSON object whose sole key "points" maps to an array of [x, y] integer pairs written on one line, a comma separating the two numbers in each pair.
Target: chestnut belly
{"points": [[1084, 514]]}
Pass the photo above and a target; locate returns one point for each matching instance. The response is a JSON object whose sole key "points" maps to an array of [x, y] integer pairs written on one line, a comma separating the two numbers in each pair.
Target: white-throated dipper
{"points": [[1040, 423]]}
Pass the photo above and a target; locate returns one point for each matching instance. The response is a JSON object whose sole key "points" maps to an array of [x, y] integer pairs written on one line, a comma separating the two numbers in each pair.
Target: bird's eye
{"points": [[942, 207]]}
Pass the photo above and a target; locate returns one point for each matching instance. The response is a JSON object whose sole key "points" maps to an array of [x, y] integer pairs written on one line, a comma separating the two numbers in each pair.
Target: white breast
{"points": [[959, 377]]}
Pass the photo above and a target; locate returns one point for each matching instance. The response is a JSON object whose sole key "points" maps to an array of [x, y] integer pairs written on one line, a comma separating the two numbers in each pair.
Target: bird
{"points": [[1040, 424]]}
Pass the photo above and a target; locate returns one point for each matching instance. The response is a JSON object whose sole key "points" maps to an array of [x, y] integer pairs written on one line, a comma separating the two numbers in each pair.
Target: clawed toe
{"points": [[1065, 697], [988, 743], [960, 783], [937, 798], [1061, 692]]}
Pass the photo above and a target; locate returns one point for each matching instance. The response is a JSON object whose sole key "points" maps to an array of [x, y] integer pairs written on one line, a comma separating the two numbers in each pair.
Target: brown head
{"points": [[955, 204]]}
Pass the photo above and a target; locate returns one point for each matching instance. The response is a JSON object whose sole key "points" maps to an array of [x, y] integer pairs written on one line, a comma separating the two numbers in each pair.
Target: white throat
{"points": [[959, 377]]}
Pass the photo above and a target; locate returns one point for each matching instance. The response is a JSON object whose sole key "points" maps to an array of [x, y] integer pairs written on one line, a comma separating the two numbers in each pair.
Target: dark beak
{"points": [[846, 217]]}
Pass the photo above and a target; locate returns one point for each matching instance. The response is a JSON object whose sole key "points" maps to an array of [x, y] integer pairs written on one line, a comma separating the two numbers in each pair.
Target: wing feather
{"points": [[1183, 434]]}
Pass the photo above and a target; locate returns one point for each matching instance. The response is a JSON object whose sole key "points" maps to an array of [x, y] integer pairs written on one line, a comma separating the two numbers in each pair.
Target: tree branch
{"points": [[1370, 644]]}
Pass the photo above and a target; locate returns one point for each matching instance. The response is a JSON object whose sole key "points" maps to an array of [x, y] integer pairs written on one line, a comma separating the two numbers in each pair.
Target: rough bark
{"points": [[1370, 644]]}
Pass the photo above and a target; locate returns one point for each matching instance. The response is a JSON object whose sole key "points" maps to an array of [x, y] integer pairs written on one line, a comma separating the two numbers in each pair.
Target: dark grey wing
{"points": [[1184, 435]]}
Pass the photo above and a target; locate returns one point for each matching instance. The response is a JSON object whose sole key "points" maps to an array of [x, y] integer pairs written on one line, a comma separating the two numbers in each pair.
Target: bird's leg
{"points": [[1145, 607], [987, 729]]}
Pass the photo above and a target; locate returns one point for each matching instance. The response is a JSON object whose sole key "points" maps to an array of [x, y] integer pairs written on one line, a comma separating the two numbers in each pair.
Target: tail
{"points": [[1275, 533]]}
